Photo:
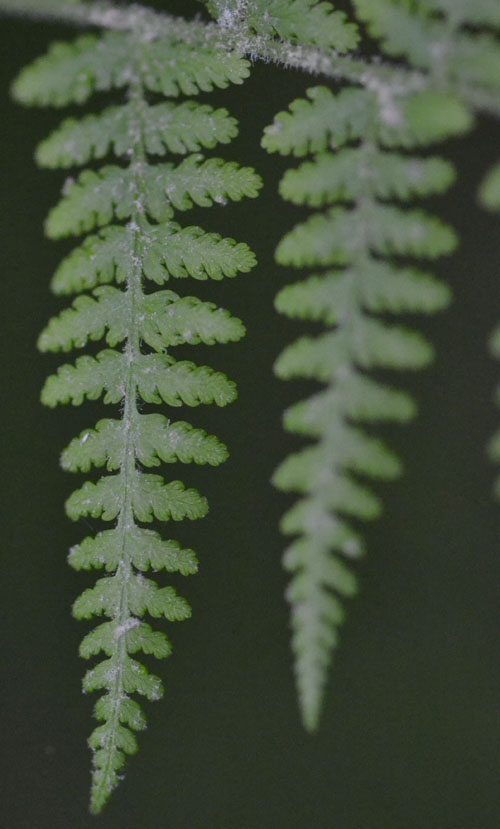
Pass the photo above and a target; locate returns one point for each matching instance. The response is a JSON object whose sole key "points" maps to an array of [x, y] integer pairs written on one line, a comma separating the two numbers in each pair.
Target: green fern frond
{"points": [[363, 127], [147, 246]]}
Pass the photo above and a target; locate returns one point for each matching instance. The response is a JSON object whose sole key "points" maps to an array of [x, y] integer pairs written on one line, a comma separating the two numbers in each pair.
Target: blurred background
{"points": [[410, 735]]}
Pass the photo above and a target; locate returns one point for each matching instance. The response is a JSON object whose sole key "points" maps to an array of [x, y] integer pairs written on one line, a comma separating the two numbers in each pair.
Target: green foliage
{"points": [[489, 193], [166, 251], [361, 167], [432, 42], [354, 240], [326, 121], [148, 245], [72, 72], [165, 127], [313, 22]]}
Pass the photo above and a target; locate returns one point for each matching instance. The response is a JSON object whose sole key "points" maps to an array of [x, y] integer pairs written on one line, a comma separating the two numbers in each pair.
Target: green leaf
{"points": [[158, 380], [151, 498], [379, 287], [96, 198], [162, 128], [141, 596], [354, 173], [88, 378], [137, 636], [305, 471], [489, 193], [155, 439], [71, 72], [164, 320], [145, 548], [466, 58], [480, 13], [328, 120], [368, 343], [354, 396], [127, 710], [337, 236], [166, 251], [167, 320], [88, 319], [308, 22], [352, 449], [136, 678], [310, 517]]}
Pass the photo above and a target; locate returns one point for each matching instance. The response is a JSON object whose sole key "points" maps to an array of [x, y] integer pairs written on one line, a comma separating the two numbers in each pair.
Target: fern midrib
{"points": [[355, 309], [128, 466]]}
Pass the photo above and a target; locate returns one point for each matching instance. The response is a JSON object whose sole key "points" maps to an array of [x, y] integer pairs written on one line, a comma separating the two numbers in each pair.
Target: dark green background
{"points": [[411, 730]]}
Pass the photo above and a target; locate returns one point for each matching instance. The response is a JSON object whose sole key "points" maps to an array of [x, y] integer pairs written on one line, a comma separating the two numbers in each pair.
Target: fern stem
{"points": [[128, 467]]}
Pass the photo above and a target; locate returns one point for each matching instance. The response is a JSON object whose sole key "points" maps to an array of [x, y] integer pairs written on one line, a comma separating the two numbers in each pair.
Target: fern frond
{"points": [[356, 239], [145, 326]]}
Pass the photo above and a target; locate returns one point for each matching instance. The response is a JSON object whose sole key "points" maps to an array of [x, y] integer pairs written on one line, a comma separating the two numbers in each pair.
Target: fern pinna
{"points": [[353, 136], [146, 245]]}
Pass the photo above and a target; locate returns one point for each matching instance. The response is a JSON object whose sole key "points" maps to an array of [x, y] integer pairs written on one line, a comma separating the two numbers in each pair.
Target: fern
{"points": [[143, 326], [362, 141], [311, 22], [354, 239]]}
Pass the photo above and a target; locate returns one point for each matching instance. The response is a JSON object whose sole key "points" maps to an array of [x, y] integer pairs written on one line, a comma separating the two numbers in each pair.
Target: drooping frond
{"points": [[133, 205], [357, 169]]}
